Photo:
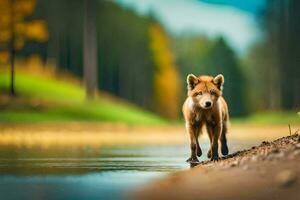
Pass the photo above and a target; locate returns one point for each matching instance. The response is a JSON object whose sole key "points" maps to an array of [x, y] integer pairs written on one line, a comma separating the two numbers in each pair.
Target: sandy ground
{"points": [[268, 171]]}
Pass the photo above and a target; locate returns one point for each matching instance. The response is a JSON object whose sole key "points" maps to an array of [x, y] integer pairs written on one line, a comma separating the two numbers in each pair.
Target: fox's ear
{"points": [[192, 81], [219, 81]]}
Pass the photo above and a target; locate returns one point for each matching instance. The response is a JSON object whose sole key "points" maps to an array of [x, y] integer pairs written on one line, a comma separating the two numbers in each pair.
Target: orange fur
{"points": [[205, 105]]}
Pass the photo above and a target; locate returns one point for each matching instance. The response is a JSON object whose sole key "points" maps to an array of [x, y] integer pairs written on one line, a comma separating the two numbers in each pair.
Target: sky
{"points": [[235, 20]]}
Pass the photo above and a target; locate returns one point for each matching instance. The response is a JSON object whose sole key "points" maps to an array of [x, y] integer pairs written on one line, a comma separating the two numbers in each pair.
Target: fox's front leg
{"points": [[217, 129], [192, 131], [209, 129]]}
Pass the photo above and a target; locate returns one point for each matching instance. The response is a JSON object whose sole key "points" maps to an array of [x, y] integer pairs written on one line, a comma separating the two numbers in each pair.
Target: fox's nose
{"points": [[207, 104]]}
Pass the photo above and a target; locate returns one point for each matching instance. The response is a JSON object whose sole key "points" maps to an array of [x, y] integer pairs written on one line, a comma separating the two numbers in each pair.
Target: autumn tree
{"points": [[166, 78], [15, 30], [127, 67]]}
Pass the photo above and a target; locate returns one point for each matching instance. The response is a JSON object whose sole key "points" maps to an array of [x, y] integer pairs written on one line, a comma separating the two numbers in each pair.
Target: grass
{"points": [[61, 101], [64, 101], [272, 118], [35, 86]]}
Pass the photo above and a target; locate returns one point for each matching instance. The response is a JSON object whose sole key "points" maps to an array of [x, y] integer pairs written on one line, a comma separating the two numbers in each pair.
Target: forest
{"points": [[92, 94], [139, 61]]}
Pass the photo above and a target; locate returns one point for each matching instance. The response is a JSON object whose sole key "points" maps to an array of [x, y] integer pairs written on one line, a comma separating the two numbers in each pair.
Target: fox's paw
{"points": [[209, 153], [224, 150], [199, 152], [192, 160], [214, 158]]}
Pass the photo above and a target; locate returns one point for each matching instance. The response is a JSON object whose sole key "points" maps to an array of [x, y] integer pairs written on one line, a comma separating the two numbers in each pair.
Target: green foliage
{"points": [[63, 101], [126, 67], [125, 64], [201, 56], [66, 33], [275, 59], [221, 59]]}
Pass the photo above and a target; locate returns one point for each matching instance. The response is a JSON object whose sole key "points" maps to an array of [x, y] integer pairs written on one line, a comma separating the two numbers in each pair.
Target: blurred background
{"points": [[130, 58], [91, 90]]}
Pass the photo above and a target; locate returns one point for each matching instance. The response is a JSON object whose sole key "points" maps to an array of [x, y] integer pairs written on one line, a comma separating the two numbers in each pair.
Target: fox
{"points": [[205, 106]]}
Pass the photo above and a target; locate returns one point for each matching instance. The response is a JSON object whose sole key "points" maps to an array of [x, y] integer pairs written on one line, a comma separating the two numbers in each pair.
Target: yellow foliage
{"points": [[4, 57], [166, 79], [20, 27], [4, 2], [25, 7], [34, 30], [4, 20], [19, 43], [37, 30], [4, 35]]}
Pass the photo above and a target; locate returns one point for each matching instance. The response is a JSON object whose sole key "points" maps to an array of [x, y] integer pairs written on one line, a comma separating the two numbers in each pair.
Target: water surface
{"points": [[107, 172]]}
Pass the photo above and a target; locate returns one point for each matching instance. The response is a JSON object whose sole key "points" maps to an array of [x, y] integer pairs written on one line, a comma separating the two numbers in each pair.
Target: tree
{"points": [[126, 68], [275, 59], [281, 22], [222, 59], [90, 47], [166, 78], [203, 56], [15, 30]]}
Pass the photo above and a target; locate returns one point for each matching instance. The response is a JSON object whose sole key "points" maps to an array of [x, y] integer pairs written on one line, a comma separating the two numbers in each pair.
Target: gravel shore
{"points": [[268, 171]]}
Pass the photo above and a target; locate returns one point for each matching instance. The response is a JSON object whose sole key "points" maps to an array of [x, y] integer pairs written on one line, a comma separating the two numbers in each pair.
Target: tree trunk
{"points": [[90, 47], [12, 72], [12, 50]]}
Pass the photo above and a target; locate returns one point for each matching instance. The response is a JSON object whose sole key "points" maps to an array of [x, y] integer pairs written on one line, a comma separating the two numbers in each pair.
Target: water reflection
{"points": [[87, 172], [84, 172], [59, 160]]}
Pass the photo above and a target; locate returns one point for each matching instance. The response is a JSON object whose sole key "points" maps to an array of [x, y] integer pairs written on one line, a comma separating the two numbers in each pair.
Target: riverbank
{"points": [[268, 171], [97, 134]]}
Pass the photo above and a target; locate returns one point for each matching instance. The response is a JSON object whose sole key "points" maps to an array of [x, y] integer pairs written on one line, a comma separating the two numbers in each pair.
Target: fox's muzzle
{"points": [[206, 101]]}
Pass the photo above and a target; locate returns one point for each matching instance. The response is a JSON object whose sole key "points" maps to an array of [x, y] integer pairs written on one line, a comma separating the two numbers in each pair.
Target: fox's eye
{"points": [[212, 92], [199, 93]]}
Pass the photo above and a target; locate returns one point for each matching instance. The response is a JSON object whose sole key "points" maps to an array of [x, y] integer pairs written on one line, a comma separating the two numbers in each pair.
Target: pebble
{"points": [[280, 155], [286, 178], [234, 163], [255, 158], [270, 157], [264, 143], [296, 153], [275, 150], [244, 160]]}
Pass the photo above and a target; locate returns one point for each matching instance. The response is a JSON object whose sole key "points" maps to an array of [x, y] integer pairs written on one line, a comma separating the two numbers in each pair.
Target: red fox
{"points": [[205, 105]]}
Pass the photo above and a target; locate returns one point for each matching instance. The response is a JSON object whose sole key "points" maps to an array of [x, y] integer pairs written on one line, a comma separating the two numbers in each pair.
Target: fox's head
{"points": [[205, 90]]}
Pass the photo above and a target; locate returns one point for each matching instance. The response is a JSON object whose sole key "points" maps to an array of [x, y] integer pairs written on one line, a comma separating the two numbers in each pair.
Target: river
{"points": [[87, 172]]}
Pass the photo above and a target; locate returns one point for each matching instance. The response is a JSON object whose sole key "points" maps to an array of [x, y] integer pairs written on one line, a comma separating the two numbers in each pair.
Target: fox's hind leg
{"points": [[223, 139]]}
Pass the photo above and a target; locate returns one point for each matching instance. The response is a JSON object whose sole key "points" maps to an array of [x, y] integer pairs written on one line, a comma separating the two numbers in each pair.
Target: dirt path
{"points": [[268, 171]]}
